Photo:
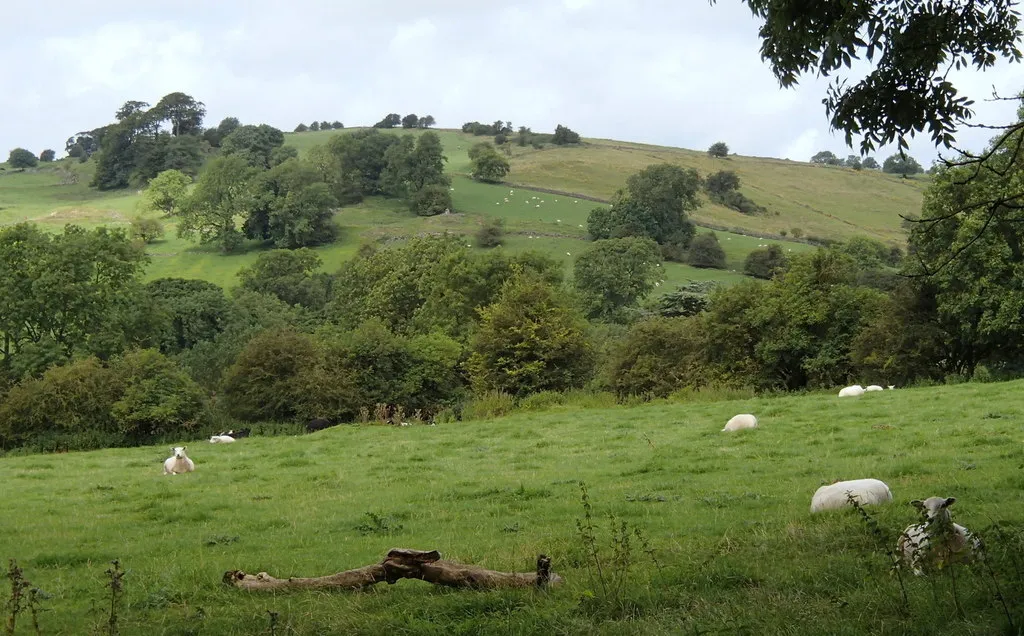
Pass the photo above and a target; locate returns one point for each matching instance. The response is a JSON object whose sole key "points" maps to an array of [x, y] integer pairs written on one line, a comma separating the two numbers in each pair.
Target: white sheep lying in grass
{"points": [[179, 462], [937, 541], [852, 391], [865, 491], [873, 387], [741, 421], [221, 439]]}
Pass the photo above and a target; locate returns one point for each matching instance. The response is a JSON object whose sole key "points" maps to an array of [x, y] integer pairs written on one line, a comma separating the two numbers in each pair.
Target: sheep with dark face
{"points": [[178, 462], [937, 541]]}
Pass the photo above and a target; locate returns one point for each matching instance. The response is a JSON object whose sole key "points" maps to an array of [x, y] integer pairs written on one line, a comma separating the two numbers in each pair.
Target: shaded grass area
{"points": [[727, 516]]}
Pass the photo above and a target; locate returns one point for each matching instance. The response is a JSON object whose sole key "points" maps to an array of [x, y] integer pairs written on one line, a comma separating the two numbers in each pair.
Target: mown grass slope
{"points": [[726, 514]]}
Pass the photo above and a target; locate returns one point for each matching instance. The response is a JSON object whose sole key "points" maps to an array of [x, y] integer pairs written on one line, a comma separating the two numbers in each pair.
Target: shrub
{"points": [[564, 135], [70, 406], [657, 357], [706, 252], [21, 158], [529, 341], [796, 232], [431, 200], [718, 149], [262, 383], [765, 263], [158, 398], [146, 229], [488, 405], [491, 233]]}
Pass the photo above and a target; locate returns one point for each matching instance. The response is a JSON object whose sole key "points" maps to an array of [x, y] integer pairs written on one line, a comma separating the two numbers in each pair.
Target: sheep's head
{"points": [[891, 387], [179, 451], [935, 508]]}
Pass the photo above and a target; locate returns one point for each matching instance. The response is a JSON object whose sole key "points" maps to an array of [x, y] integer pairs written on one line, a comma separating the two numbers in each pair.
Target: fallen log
{"points": [[403, 563]]}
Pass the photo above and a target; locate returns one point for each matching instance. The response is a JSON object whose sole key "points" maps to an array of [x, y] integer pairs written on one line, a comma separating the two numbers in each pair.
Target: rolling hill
{"points": [[821, 201]]}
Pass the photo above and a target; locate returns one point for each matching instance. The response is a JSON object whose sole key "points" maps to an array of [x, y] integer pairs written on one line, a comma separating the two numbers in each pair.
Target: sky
{"points": [[669, 72]]}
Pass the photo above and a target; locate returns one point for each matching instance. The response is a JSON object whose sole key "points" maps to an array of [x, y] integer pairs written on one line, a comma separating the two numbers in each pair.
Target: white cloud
{"points": [[681, 73], [803, 147]]}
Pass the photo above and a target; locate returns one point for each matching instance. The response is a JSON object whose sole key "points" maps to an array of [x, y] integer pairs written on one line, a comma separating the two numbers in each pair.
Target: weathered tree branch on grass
{"points": [[403, 563]]}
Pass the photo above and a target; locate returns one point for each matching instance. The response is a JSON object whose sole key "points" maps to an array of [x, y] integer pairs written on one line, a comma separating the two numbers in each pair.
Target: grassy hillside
{"points": [[821, 201], [726, 515]]}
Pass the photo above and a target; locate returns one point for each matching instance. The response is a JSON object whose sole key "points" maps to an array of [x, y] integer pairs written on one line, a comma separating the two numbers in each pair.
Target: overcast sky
{"points": [[671, 72]]}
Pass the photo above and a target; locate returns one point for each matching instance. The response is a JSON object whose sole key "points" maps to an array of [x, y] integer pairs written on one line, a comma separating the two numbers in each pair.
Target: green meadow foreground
{"points": [[727, 516]]}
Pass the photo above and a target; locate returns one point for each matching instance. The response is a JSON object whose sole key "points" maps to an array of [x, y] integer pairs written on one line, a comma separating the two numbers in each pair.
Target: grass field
{"points": [[726, 515], [556, 223], [821, 200]]}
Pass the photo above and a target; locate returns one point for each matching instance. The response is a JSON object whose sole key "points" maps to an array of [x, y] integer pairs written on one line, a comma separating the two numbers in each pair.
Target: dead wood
{"points": [[403, 563]]}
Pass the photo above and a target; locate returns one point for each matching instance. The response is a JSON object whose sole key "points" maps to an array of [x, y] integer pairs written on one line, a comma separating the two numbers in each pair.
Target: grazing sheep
{"points": [[874, 387], [865, 491], [936, 541], [852, 391], [178, 462], [737, 422], [222, 439], [318, 424]]}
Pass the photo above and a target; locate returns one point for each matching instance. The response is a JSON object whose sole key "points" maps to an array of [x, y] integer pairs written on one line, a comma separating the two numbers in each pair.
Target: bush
{"points": [[563, 136], [529, 341], [146, 229], [491, 233], [158, 398], [21, 158], [706, 252], [765, 263], [70, 406], [718, 149], [656, 357], [486, 164], [263, 383], [488, 405], [432, 200]]}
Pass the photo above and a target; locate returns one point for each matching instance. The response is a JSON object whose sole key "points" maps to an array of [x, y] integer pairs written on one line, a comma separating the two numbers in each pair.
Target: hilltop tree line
{"points": [[897, 163], [314, 126], [394, 120], [502, 131]]}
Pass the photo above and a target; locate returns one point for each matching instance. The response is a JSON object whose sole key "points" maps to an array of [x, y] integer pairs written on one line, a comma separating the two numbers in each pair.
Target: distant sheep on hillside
{"points": [[874, 387], [738, 422], [865, 491]]}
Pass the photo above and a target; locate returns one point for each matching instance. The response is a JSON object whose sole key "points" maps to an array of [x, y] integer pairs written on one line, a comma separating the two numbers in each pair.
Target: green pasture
{"points": [[821, 200], [726, 515], [557, 223]]}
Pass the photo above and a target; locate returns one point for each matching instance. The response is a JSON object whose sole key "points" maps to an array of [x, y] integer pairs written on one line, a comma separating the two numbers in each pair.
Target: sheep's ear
{"points": [[949, 502], [917, 503]]}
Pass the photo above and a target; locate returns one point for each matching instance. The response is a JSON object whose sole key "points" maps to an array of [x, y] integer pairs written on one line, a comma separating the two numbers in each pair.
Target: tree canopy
{"points": [[21, 158], [910, 46]]}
